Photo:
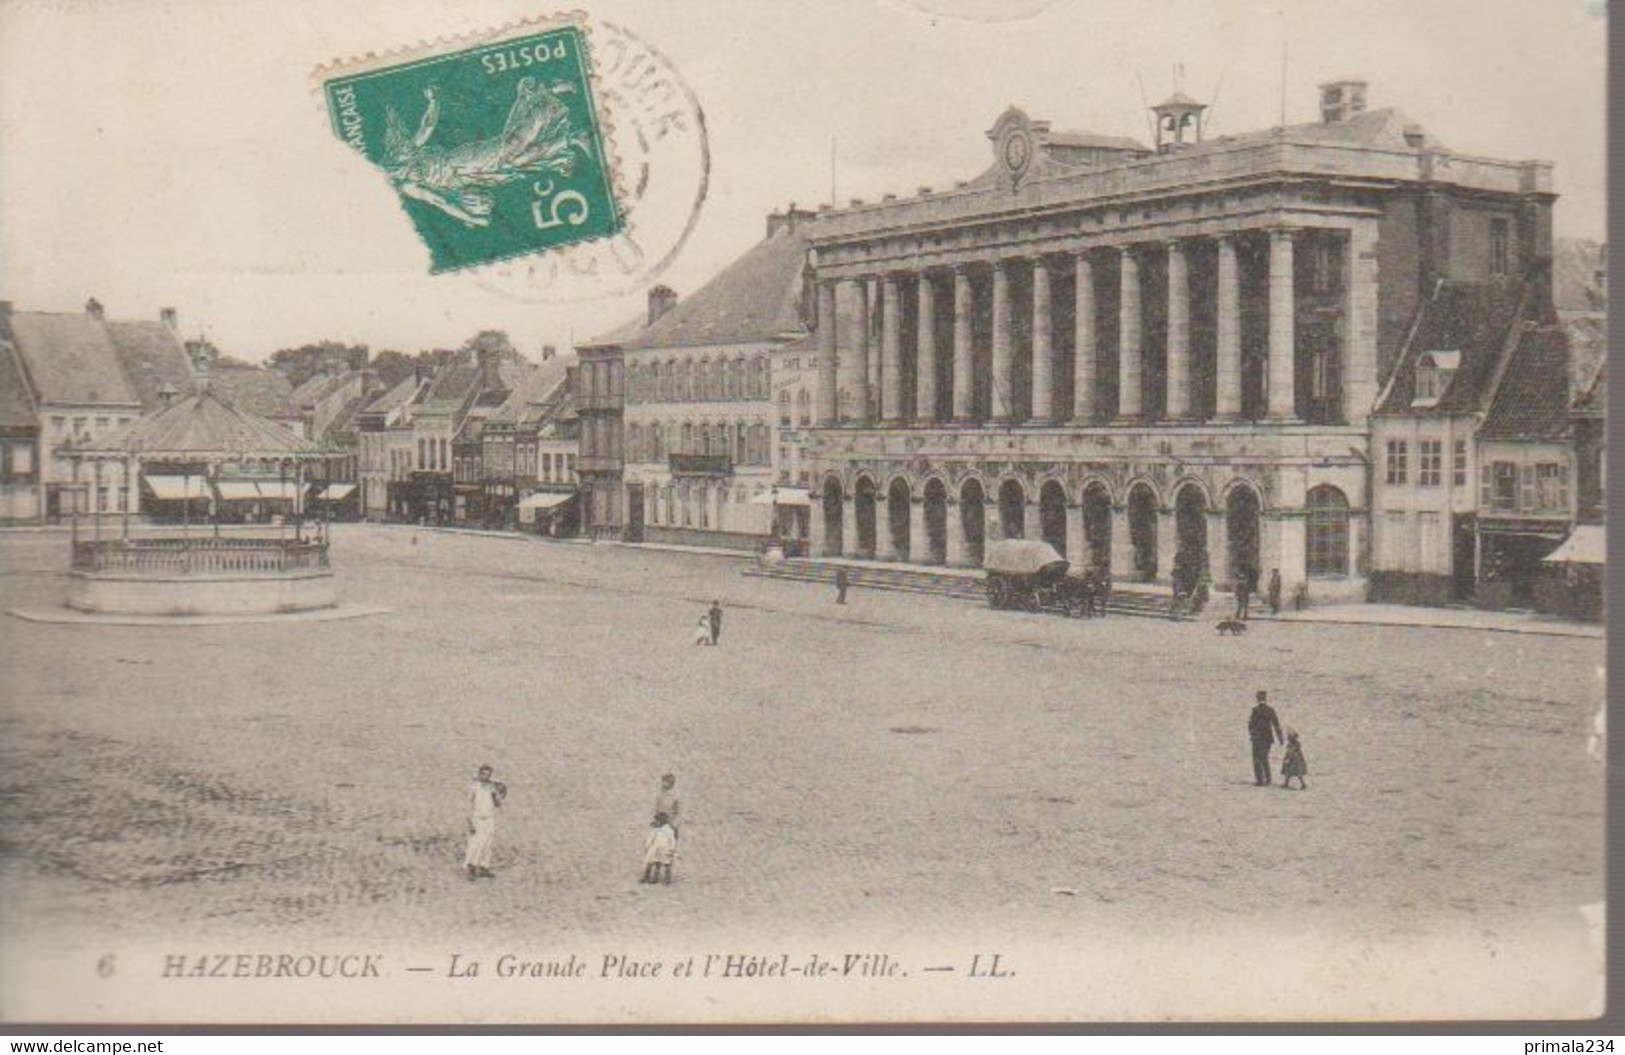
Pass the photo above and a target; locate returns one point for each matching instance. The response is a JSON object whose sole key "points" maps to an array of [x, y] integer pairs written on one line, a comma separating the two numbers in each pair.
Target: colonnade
{"points": [[928, 404]]}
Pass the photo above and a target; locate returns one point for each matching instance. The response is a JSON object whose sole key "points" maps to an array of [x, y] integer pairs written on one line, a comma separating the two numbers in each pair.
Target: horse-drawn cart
{"points": [[1029, 574]]}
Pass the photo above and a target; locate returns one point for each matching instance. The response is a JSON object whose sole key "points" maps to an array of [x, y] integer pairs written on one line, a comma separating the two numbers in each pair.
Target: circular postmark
{"points": [[657, 143]]}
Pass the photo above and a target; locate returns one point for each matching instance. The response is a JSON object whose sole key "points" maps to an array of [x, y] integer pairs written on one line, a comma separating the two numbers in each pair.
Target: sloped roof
{"points": [[1593, 399], [529, 401], [1472, 318], [756, 298], [205, 425], [452, 384], [345, 420], [1576, 263], [256, 390], [1532, 400], [70, 358], [151, 356], [1383, 129], [16, 405], [401, 392], [317, 388]]}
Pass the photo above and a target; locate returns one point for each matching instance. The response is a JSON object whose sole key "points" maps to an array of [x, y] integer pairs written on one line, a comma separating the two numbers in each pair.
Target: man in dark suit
{"points": [[1265, 730], [716, 621]]}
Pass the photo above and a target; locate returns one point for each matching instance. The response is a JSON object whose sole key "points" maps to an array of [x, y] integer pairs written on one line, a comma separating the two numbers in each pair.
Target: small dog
{"points": [[1233, 627]]}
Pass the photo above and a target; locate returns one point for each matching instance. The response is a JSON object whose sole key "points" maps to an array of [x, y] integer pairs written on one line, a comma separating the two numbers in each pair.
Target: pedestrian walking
{"points": [[715, 616], [666, 801], [1264, 729], [1292, 763], [1275, 591], [841, 584], [485, 797], [659, 851], [702, 630]]}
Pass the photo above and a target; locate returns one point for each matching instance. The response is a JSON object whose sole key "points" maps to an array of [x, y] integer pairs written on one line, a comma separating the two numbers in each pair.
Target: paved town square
{"points": [[901, 767]]}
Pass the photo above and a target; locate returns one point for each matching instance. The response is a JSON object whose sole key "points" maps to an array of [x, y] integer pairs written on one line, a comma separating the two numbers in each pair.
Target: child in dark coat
{"points": [[1293, 764]]}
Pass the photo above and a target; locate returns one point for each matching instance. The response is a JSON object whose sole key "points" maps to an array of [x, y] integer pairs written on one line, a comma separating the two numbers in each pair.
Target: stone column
{"points": [[925, 359], [1043, 346], [1291, 540], [1003, 393], [919, 545], [816, 538], [1282, 384], [1218, 548], [1129, 351], [1167, 542], [885, 548], [891, 353], [1083, 375], [1032, 521], [1228, 403], [1122, 545], [859, 291], [1360, 322], [829, 412], [955, 536], [849, 525], [1179, 334], [964, 368], [1077, 546]]}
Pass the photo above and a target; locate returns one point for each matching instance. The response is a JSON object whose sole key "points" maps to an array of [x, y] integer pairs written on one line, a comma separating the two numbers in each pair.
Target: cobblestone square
{"points": [[917, 773]]}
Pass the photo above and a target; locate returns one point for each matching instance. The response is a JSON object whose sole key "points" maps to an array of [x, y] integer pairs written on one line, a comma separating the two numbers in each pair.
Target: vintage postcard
{"points": [[729, 512]]}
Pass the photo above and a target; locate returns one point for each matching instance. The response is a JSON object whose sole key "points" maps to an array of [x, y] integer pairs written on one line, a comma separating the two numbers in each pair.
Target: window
{"points": [[1434, 371], [1328, 532], [1395, 541], [1551, 487], [1430, 463], [22, 460], [784, 407], [1398, 462], [101, 423], [1325, 265], [1430, 540], [804, 407], [1458, 464], [1500, 482], [1500, 253]]}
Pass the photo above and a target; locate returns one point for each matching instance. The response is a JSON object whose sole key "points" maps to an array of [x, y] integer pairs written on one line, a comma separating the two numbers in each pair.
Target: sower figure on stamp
{"points": [[484, 799], [1265, 730]]}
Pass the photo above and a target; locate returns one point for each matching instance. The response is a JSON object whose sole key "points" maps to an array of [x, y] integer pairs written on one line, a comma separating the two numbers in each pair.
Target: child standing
{"points": [[702, 631], [659, 851], [1293, 764]]}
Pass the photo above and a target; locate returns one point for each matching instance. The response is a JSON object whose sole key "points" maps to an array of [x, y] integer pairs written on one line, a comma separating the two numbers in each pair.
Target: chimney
{"points": [[1341, 101], [170, 318], [661, 300], [419, 373], [202, 353], [93, 308], [788, 219], [490, 360], [357, 357], [548, 351]]}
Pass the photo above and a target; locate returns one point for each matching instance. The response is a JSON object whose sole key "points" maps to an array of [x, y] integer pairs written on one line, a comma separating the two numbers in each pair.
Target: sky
{"points": [[172, 153]]}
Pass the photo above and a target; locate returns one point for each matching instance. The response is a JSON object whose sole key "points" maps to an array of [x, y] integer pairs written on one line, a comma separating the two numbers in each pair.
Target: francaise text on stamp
{"points": [[496, 145]]}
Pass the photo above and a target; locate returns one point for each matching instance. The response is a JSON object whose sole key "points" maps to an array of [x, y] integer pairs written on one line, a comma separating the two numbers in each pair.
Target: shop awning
{"points": [[783, 496], [1586, 545], [546, 499], [176, 488], [285, 490], [238, 491], [335, 492]]}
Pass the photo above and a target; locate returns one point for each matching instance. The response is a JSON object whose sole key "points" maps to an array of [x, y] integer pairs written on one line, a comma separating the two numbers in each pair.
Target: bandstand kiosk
{"points": [[196, 570]]}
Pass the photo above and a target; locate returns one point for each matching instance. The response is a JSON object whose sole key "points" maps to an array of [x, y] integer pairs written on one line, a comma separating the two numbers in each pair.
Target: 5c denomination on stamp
{"points": [[496, 145]]}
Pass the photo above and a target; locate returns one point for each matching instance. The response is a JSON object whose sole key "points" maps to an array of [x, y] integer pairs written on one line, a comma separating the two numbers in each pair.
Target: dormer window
{"points": [[1434, 372]]}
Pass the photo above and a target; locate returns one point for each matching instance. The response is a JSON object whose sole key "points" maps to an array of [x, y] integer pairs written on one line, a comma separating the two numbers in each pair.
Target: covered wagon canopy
{"points": [[1024, 557], [203, 427]]}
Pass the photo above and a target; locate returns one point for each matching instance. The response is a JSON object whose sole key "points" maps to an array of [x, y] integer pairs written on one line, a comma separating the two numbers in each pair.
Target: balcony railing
{"points": [[700, 465], [200, 556]]}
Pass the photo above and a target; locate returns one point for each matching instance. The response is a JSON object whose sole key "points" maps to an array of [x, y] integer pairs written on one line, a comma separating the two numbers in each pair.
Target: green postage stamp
{"points": [[495, 145]]}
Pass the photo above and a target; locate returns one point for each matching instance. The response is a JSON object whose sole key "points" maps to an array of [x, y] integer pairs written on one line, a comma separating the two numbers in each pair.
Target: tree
{"points": [[492, 340], [301, 364]]}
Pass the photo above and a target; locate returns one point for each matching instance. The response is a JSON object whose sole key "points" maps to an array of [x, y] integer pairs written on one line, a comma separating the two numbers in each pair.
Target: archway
{"points": [[936, 522], [1012, 509], [1142, 531], [897, 516], [863, 499], [1327, 534], [1190, 533], [1241, 509], [973, 520], [832, 517], [1097, 525], [1052, 515]]}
